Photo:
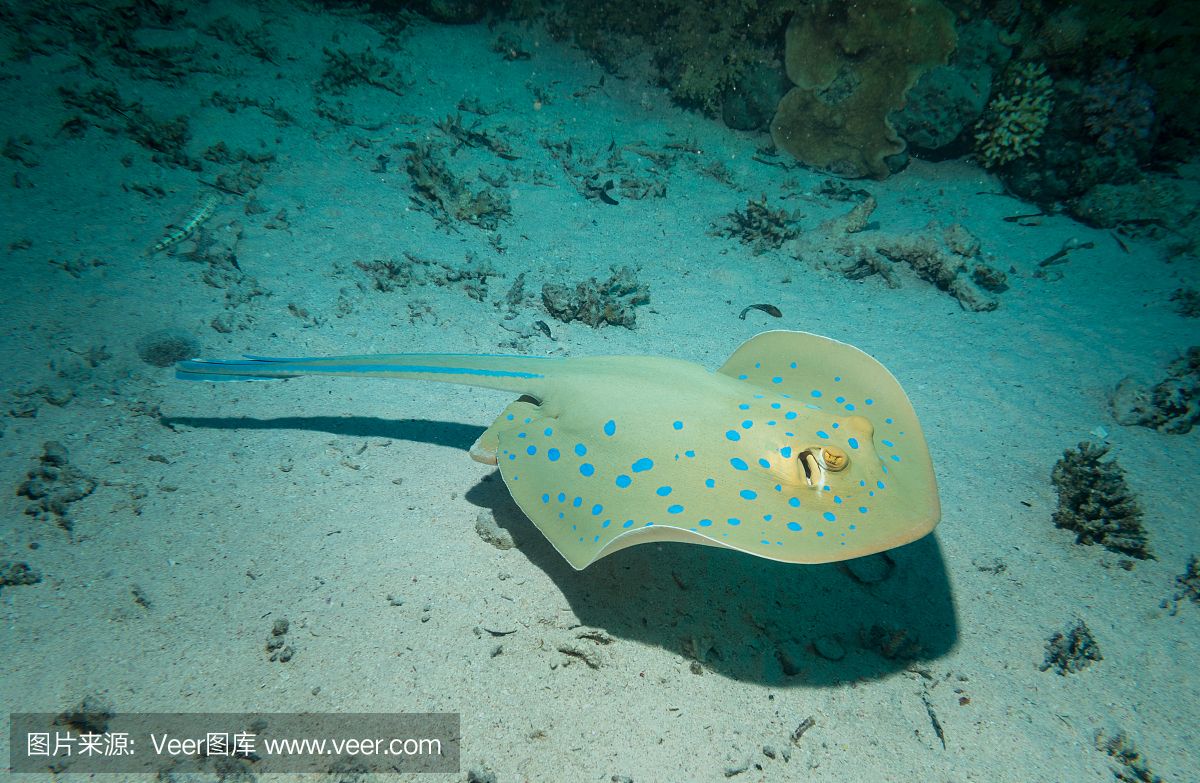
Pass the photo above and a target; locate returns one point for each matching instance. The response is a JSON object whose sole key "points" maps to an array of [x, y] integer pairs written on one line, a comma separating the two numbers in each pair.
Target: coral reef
{"points": [[949, 257], [1171, 405], [852, 65], [1095, 502], [1017, 115], [759, 226], [613, 301], [1072, 651]]}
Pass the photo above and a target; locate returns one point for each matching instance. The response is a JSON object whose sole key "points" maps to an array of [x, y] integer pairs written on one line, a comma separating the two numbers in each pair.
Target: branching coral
{"points": [[1015, 119]]}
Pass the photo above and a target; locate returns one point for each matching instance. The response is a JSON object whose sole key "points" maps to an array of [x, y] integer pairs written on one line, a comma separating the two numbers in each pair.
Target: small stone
{"points": [[829, 648]]}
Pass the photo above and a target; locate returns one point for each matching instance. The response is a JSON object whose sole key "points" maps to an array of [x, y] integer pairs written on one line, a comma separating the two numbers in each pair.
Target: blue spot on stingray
{"points": [[577, 502], [580, 449], [822, 434], [587, 469], [643, 464], [895, 458], [527, 421], [854, 527], [675, 509], [852, 442], [794, 526], [785, 452], [623, 481], [531, 450], [794, 502], [732, 435], [596, 509], [738, 464], [705, 522], [743, 377], [689, 453], [880, 484], [748, 494], [662, 492], [512, 456], [887, 443], [734, 521], [744, 407], [678, 425], [610, 428], [552, 455], [520, 434], [546, 498], [862, 509], [889, 421], [868, 401], [562, 496], [709, 483], [549, 431], [606, 523], [829, 516], [837, 499], [747, 424], [816, 392], [510, 417], [837, 379], [776, 405], [628, 523], [793, 365], [765, 463], [777, 379], [839, 400], [836, 425], [849, 406], [789, 415], [820, 532], [758, 365]]}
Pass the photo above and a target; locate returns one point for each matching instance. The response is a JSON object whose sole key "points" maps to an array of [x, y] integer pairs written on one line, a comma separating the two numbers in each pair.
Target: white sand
{"points": [[264, 501]]}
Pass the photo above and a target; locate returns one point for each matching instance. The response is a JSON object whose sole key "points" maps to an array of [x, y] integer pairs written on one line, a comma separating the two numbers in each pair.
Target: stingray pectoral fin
{"points": [[486, 449]]}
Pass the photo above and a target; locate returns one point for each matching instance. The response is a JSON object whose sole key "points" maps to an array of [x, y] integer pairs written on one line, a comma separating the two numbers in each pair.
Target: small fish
{"points": [[203, 210], [769, 309]]}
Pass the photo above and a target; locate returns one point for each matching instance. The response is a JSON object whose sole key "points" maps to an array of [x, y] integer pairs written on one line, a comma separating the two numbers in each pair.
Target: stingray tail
{"points": [[521, 374]]}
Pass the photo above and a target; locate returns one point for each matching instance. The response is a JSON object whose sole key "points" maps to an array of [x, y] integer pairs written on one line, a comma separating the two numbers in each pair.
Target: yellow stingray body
{"points": [[799, 448]]}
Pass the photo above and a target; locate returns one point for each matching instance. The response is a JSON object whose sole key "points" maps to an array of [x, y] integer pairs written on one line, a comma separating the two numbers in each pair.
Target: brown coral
{"points": [[852, 64]]}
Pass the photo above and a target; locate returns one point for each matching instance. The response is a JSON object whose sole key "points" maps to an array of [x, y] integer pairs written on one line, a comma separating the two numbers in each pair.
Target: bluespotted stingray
{"points": [[799, 448]]}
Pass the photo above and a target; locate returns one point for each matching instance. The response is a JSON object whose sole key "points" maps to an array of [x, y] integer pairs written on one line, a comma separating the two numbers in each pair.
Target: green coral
{"points": [[1016, 117]]}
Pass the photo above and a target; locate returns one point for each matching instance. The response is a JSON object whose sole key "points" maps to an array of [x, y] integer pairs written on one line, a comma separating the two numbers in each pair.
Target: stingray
{"points": [[799, 449]]}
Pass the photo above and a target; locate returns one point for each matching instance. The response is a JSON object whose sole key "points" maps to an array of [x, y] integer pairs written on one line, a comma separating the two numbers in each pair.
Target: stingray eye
{"points": [[834, 458]]}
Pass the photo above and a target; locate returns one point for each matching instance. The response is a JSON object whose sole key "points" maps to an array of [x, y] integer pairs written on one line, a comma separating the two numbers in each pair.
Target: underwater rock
{"points": [[1072, 651], [1095, 502], [613, 301], [853, 64], [491, 532], [54, 485], [1171, 405], [167, 346], [1187, 586], [1134, 768], [948, 99]]}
